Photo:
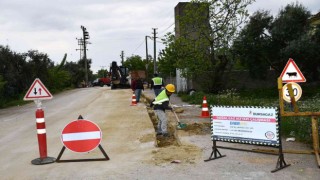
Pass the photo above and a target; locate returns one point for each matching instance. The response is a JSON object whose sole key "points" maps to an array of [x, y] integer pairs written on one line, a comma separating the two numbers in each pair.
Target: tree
{"points": [[305, 52], [266, 42], [134, 62], [207, 30], [254, 44], [77, 71], [13, 68], [102, 73], [18, 71], [59, 79], [168, 57], [291, 24], [2, 83]]}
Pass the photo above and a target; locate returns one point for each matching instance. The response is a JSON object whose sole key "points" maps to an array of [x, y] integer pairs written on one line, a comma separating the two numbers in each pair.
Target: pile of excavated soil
{"points": [[184, 154], [198, 128]]}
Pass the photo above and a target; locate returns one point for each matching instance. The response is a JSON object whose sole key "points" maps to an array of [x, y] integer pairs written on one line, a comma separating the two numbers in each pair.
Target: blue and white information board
{"points": [[249, 125]]}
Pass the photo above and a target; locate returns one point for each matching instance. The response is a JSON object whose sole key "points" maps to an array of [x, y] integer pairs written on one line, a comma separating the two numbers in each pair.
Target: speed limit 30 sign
{"points": [[297, 92]]}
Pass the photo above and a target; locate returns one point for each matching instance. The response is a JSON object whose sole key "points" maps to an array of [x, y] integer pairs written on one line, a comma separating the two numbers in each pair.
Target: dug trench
{"points": [[171, 149]]}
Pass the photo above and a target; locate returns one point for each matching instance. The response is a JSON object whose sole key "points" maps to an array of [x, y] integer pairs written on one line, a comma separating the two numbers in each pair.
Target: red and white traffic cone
{"points": [[134, 100], [42, 140], [205, 109]]}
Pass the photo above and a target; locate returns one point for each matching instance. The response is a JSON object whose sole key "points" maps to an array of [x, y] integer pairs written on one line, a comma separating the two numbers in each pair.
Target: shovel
{"points": [[180, 125]]}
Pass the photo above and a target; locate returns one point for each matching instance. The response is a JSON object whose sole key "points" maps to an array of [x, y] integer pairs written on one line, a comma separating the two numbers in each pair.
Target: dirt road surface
{"points": [[130, 142]]}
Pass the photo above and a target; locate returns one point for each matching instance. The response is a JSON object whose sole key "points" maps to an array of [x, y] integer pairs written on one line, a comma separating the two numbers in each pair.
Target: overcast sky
{"points": [[113, 25]]}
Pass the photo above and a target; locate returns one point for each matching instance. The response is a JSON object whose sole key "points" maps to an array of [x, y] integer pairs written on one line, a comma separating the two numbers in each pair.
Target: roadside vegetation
{"points": [[19, 70]]}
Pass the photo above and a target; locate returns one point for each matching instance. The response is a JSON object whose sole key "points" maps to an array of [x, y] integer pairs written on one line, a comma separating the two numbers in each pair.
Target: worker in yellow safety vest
{"points": [[157, 84], [160, 104]]}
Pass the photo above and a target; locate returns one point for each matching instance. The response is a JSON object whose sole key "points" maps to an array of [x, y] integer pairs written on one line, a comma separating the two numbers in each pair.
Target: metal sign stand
{"points": [[214, 152], [281, 164], [82, 160]]}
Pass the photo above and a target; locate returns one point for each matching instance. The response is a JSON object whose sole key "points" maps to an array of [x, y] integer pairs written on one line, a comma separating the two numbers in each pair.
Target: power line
{"points": [[166, 15], [123, 38], [167, 22], [138, 46], [166, 29]]}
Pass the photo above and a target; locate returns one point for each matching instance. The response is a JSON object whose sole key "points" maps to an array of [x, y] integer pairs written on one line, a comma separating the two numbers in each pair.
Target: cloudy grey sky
{"points": [[113, 25]]}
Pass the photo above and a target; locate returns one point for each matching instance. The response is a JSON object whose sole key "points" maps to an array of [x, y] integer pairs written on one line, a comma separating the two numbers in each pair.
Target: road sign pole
{"points": [[42, 137]]}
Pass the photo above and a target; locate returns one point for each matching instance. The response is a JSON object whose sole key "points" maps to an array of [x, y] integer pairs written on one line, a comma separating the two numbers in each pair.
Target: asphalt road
{"points": [[129, 140]]}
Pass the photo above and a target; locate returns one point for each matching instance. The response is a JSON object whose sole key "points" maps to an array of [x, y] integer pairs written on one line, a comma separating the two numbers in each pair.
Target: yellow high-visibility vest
{"points": [[157, 81], [162, 97]]}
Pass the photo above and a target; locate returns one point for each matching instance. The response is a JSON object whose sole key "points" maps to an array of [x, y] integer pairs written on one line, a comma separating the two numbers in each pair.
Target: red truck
{"points": [[102, 81]]}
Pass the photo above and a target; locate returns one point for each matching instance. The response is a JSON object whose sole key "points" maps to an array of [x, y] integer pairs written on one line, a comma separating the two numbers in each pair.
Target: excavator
{"points": [[119, 76]]}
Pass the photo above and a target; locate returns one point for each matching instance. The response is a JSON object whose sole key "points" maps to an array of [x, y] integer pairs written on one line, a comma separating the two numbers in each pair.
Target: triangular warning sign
{"points": [[291, 73], [37, 91]]}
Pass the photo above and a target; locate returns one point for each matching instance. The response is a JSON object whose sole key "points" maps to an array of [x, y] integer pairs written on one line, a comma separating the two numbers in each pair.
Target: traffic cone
{"points": [[205, 110], [134, 101]]}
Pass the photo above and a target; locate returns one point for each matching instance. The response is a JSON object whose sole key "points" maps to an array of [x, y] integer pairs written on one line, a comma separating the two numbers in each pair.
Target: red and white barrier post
{"points": [[41, 132], [42, 138]]}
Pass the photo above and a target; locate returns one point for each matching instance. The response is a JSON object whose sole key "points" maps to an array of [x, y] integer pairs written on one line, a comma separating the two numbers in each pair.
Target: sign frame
{"points": [[244, 125], [215, 154]]}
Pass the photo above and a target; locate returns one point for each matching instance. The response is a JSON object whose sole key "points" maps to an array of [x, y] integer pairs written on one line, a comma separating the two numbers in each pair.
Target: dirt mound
{"points": [[184, 154], [146, 138], [198, 128]]}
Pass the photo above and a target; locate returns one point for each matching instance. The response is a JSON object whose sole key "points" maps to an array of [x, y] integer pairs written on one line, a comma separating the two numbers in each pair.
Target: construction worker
{"points": [[161, 103], [157, 84], [138, 88]]}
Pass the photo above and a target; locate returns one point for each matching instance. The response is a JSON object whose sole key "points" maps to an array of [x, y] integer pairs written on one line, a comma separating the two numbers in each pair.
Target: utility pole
{"points": [[85, 37], [147, 59], [154, 50], [80, 43], [122, 56]]}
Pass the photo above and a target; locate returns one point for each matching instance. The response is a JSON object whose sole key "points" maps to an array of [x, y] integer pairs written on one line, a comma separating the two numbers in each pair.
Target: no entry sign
{"points": [[81, 136]]}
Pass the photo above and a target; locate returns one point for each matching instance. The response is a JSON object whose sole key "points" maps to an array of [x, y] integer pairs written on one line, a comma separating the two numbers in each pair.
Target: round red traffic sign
{"points": [[81, 136]]}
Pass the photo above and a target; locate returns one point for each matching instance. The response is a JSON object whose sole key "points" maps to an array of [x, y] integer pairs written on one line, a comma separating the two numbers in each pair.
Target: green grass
{"points": [[299, 127], [18, 101]]}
